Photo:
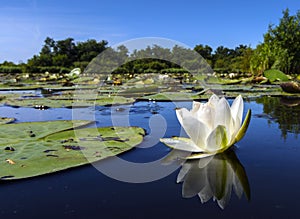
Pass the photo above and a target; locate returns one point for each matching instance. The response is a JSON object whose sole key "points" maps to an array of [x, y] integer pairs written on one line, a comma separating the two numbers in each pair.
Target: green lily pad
{"points": [[275, 75], [44, 103], [171, 96], [16, 88], [37, 148], [138, 91]]}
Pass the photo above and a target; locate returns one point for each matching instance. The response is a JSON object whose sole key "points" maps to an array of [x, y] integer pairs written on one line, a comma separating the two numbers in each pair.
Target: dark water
{"points": [[266, 160]]}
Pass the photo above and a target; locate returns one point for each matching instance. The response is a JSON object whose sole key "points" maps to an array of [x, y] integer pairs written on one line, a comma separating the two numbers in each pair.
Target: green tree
{"points": [[204, 51], [222, 59], [48, 47], [241, 59], [281, 46], [89, 49], [8, 63]]}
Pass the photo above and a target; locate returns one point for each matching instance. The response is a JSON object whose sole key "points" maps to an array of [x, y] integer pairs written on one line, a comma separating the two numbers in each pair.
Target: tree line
{"points": [[279, 50]]}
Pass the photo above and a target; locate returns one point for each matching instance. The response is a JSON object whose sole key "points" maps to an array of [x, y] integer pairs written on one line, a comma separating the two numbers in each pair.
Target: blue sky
{"points": [[25, 24]]}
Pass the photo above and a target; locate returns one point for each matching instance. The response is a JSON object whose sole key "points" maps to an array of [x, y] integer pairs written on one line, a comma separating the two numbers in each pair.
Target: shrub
{"points": [[11, 69], [173, 70]]}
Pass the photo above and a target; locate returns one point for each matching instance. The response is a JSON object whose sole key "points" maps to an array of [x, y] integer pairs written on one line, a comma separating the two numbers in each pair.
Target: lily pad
{"points": [[275, 75], [37, 148], [171, 96], [139, 91], [16, 88], [44, 103]]}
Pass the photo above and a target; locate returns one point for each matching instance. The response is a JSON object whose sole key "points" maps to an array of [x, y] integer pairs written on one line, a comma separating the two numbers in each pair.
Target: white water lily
{"points": [[212, 127], [74, 73]]}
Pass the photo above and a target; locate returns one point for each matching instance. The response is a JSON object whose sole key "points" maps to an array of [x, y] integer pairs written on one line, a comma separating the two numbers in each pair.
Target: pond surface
{"points": [[268, 160]]}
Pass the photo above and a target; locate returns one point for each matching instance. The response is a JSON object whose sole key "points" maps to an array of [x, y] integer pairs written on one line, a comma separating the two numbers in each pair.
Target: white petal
{"points": [[223, 117], [217, 140], [196, 106], [196, 130], [205, 114], [200, 155], [213, 100], [237, 109], [184, 144], [181, 113]]}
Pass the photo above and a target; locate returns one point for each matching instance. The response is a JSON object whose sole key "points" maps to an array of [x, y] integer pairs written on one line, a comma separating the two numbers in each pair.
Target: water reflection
{"points": [[284, 111], [214, 178]]}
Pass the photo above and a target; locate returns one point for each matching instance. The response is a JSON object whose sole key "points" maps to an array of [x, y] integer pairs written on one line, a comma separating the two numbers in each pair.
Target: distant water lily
{"points": [[212, 127]]}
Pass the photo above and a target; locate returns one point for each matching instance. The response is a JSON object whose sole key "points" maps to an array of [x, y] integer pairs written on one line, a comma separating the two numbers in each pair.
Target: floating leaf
{"points": [[44, 103], [275, 75], [59, 145], [171, 96]]}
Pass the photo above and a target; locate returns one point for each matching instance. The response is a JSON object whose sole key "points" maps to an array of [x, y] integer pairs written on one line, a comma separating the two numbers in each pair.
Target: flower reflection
{"points": [[213, 178]]}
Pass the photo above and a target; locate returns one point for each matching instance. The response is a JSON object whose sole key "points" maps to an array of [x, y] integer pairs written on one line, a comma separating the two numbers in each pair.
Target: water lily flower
{"points": [[212, 127]]}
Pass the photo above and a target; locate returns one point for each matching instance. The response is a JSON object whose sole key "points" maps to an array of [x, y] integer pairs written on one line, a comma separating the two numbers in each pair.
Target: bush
{"points": [[82, 65], [149, 70], [173, 70], [120, 70], [222, 70], [11, 69], [50, 69], [64, 70]]}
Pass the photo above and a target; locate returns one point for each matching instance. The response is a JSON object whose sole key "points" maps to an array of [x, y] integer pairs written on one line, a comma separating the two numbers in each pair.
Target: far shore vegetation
{"points": [[279, 50]]}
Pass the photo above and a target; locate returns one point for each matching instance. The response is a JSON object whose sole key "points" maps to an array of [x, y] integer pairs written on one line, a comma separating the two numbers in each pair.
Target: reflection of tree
{"points": [[284, 111], [214, 177]]}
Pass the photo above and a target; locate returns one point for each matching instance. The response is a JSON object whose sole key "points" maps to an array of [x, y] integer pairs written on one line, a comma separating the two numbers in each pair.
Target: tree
{"points": [[89, 49], [66, 53], [48, 47], [222, 58], [281, 46], [204, 51], [241, 60], [262, 59]]}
